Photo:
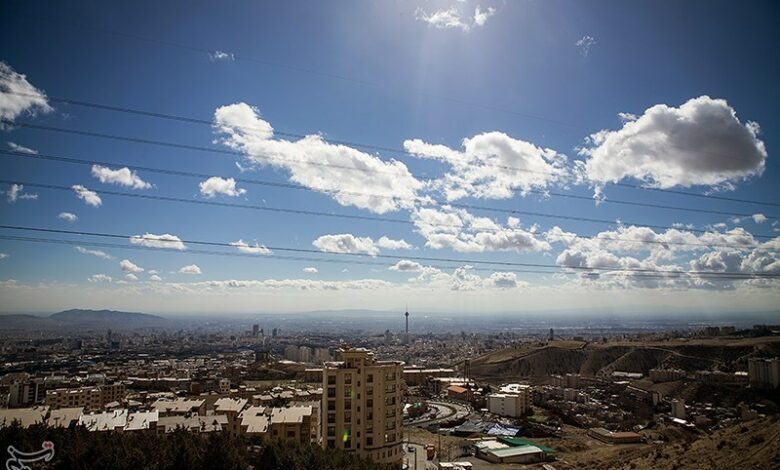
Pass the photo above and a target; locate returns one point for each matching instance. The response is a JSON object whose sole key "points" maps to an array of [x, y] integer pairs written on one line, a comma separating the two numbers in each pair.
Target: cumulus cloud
{"points": [[700, 143], [158, 241], [221, 55], [633, 256], [91, 198], [492, 165], [310, 270], [289, 284], [346, 243], [190, 269], [454, 18], [122, 177], [15, 193], [131, 277], [461, 231], [99, 278], [3, 255], [68, 217], [155, 278], [584, 44], [759, 218], [216, 185], [98, 253], [256, 249], [129, 267], [407, 266], [18, 96], [349, 176], [21, 148], [390, 244]]}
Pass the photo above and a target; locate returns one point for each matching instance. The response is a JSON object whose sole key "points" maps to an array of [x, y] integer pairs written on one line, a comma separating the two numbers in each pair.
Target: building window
{"points": [[331, 380], [370, 378], [347, 378], [331, 431], [369, 441]]}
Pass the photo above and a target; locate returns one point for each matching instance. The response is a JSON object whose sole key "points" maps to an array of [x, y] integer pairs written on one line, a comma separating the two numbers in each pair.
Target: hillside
{"points": [[593, 359], [77, 318], [751, 445]]}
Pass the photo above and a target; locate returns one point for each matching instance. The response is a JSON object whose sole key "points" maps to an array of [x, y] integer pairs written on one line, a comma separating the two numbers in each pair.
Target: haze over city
{"points": [[394, 233]]}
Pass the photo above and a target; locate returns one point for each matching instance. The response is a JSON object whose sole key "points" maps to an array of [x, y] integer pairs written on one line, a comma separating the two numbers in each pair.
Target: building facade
{"points": [[362, 405]]}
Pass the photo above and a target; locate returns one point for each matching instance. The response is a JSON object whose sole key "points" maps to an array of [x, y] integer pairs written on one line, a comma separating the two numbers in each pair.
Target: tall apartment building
{"points": [[764, 372], [362, 405], [91, 398]]}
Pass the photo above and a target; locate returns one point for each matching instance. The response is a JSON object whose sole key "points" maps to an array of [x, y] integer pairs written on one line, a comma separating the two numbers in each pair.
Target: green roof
{"points": [[521, 441]]}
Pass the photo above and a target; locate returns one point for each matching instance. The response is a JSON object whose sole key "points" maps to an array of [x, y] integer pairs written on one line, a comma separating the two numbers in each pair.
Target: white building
{"points": [[512, 401], [678, 409]]}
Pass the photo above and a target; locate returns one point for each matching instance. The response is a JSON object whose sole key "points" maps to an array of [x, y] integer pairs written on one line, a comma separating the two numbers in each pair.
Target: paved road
{"points": [[419, 455]]}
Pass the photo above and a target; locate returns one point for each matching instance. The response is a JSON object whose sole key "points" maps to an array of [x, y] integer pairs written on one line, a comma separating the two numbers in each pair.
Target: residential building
{"points": [[764, 373], [362, 405], [91, 398]]}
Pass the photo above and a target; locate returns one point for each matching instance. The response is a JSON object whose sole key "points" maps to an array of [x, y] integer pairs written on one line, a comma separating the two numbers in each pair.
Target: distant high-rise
{"points": [[255, 330], [362, 405], [552, 334], [407, 321], [274, 332]]}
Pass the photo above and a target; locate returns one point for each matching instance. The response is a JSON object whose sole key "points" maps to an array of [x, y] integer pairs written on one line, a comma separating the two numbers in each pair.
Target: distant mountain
{"points": [[78, 318], [109, 318]]}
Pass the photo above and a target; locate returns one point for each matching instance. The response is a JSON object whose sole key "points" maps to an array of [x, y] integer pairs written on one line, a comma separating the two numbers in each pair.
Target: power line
{"points": [[140, 238], [194, 120], [380, 196], [393, 220], [669, 275]]}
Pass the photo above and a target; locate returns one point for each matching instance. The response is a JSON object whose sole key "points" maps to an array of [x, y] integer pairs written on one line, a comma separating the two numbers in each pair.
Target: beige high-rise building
{"points": [[362, 405]]}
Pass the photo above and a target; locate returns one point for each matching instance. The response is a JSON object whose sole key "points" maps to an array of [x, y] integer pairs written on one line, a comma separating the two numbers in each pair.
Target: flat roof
{"points": [[518, 450]]}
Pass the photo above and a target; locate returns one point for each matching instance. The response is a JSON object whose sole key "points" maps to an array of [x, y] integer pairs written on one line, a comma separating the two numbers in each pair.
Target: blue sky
{"points": [[509, 76]]}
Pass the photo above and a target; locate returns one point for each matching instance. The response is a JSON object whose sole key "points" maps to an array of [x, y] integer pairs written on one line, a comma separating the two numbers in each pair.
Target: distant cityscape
{"points": [[398, 398]]}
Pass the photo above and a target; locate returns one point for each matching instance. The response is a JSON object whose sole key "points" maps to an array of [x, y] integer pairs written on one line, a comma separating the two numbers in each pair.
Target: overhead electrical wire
{"points": [[393, 220], [309, 259], [145, 238], [422, 200], [194, 120]]}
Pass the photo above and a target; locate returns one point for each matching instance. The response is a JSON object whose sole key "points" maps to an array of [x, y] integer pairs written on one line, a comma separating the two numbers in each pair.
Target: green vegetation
{"points": [[80, 449]]}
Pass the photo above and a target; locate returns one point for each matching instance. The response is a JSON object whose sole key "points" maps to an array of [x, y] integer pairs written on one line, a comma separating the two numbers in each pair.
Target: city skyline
{"points": [[392, 154]]}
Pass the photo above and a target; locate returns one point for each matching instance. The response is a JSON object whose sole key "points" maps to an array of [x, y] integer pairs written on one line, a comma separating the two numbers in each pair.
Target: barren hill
{"points": [[591, 359]]}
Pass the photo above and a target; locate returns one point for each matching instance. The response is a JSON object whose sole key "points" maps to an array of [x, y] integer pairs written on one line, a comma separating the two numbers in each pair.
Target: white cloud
{"points": [[759, 218], [99, 278], [346, 243], [461, 231], [158, 241], [481, 16], [221, 55], [406, 265], [700, 143], [122, 177], [91, 198], [18, 96], [3, 255], [155, 278], [15, 193], [443, 19], [493, 165], [349, 176], [68, 217], [98, 253], [585, 43], [216, 185], [129, 267], [190, 269], [21, 148], [455, 17], [131, 277], [390, 244], [310, 270], [256, 249]]}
